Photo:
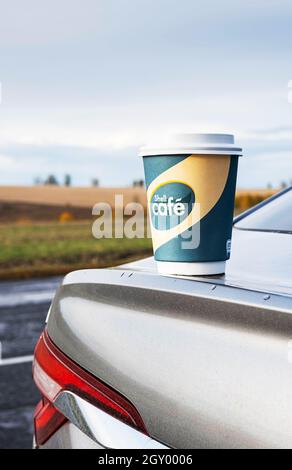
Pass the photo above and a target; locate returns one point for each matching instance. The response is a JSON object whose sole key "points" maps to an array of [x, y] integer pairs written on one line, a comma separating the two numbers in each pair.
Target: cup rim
{"points": [[168, 152], [193, 144]]}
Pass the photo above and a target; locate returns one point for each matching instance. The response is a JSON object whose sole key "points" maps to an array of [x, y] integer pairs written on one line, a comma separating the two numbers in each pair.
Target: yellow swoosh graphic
{"points": [[207, 176]]}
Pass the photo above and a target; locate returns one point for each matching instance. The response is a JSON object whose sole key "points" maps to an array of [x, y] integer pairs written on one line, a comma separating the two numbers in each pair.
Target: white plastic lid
{"points": [[202, 144]]}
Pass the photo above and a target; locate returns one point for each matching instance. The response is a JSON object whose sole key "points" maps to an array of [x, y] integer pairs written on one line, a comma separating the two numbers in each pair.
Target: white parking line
{"points": [[14, 293], [15, 360]]}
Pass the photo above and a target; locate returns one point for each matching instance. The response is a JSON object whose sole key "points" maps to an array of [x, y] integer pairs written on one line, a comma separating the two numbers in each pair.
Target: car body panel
{"points": [[70, 437], [201, 362], [105, 430], [260, 261]]}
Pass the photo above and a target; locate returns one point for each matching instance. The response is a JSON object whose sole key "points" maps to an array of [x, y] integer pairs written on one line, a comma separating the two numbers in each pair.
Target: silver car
{"points": [[131, 359]]}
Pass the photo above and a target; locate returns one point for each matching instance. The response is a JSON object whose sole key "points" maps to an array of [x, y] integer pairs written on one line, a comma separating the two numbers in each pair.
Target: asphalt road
{"points": [[23, 310]]}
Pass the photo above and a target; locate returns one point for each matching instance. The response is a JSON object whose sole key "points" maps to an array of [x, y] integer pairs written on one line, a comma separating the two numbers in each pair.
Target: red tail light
{"points": [[54, 372], [47, 420]]}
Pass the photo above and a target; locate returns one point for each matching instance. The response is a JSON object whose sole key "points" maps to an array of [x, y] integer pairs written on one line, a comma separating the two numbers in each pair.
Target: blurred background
{"points": [[83, 85]]}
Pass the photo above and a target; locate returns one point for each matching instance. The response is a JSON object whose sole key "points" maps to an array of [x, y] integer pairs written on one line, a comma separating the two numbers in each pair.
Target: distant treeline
{"points": [[249, 198], [52, 180]]}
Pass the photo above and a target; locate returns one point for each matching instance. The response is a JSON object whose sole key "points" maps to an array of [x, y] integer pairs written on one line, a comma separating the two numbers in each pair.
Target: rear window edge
{"points": [[285, 232], [250, 211]]}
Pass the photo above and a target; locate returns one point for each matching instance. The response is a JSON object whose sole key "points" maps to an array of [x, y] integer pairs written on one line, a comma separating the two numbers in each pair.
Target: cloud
{"points": [[90, 81], [273, 168], [24, 163], [35, 23], [7, 163]]}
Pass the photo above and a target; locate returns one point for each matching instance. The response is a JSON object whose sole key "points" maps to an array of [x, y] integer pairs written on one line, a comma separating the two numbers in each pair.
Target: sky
{"points": [[85, 83]]}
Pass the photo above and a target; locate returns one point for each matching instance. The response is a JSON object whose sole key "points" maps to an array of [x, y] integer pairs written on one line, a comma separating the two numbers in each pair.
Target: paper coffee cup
{"points": [[191, 181]]}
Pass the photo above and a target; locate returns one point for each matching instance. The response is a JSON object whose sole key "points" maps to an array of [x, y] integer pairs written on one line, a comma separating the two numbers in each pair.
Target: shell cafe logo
{"points": [[170, 204]]}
